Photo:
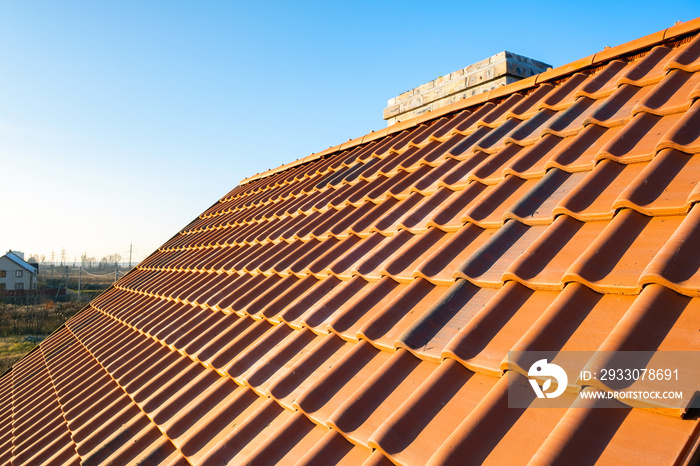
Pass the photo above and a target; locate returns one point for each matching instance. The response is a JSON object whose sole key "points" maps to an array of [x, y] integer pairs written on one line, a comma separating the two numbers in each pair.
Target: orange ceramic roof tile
{"points": [[649, 69], [545, 262], [638, 140], [392, 321], [489, 170], [671, 95], [676, 265], [686, 57], [358, 306], [308, 370], [330, 391], [598, 432], [490, 210], [6, 419], [463, 173], [530, 161], [310, 300], [402, 263], [486, 266], [361, 415], [570, 121], [639, 327], [604, 83], [272, 309], [613, 262], [493, 115], [251, 431], [536, 206], [685, 135], [437, 408], [448, 215], [487, 442], [439, 262], [417, 221], [664, 187], [578, 319], [265, 372], [617, 108], [428, 336], [563, 96], [296, 441], [594, 196], [494, 327], [583, 150]]}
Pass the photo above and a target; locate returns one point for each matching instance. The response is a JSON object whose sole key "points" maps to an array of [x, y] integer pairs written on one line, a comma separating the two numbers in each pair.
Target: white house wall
{"points": [[10, 278]]}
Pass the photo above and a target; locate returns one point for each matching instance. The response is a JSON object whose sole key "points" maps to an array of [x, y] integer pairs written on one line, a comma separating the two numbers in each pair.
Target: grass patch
{"points": [[11, 350], [38, 320]]}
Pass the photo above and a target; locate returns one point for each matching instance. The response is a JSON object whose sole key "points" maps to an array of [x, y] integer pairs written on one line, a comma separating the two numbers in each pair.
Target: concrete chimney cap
{"points": [[498, 70]]}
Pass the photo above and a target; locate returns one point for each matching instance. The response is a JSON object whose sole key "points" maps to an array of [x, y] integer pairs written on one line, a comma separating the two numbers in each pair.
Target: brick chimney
{"points": [[501, 69]]}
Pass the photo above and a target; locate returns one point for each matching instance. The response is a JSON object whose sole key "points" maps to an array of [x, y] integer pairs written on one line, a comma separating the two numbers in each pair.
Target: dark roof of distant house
{"points": [[358, 306]]}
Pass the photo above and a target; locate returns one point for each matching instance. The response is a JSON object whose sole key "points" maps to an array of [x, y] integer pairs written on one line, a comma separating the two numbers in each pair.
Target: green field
{"points": [[11, 350], [37, 320]]}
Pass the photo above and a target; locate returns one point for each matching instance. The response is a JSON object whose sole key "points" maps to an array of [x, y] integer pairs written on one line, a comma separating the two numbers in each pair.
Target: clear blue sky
{"points": [[121, 120]]}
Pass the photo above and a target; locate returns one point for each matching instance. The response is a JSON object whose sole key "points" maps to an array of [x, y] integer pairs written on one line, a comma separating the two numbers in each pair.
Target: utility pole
{"points": [[80, 276], [130, 248], [116, 269], [65, 276]]}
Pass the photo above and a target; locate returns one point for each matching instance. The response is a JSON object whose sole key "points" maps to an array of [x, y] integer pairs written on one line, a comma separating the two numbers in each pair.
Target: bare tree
{"points": [[36, 258], [108, 261], [116, 257], [87, 261]]}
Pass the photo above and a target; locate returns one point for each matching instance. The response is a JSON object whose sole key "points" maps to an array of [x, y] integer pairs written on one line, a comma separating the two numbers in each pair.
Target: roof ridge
{"points": [[597, 59]]}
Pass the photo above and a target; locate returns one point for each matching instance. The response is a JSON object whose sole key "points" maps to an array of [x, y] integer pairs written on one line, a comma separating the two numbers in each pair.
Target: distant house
{"points": [[16, 273]]}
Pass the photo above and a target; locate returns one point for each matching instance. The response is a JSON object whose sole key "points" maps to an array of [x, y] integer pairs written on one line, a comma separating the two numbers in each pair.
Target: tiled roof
{"points": [[358, 306]]}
